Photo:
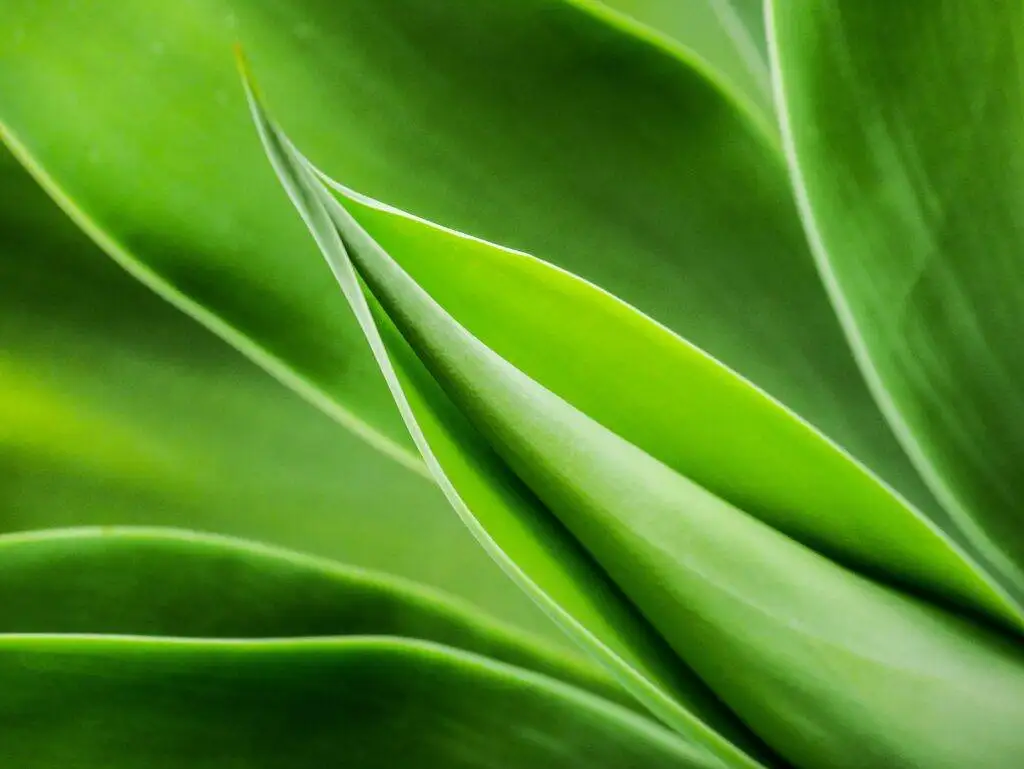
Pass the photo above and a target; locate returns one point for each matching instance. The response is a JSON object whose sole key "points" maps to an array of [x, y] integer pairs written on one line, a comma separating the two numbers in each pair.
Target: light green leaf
{"points": [[116, 408], [105, 703], [727, 34], [538, 124], [904, 129], [680, 406], [169, 582], [505, 515], [829, 668]]}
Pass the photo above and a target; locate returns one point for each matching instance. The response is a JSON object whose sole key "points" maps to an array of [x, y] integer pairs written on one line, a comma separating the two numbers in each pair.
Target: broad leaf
{"points": [[96, 703], [115, 408], [168, 582], [826, 666], [679, 405], [904, 128], [505, 514], [538, 124]]}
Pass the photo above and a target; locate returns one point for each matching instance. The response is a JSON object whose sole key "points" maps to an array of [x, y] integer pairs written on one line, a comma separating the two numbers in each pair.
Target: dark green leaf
{"points": [[166, 582], [95, 703]]}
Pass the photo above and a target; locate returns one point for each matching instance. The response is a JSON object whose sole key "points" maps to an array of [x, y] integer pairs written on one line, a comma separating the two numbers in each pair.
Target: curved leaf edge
{"points": [[1005, 604], [248, 347], [681, 719], [748, 110], [274, 365], [745, 46], [1006, 575], [395, 587], [427, 653]]}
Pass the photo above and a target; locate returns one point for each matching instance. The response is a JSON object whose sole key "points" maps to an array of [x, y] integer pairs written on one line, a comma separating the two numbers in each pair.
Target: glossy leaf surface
{"points": [[614, 157], [96, 703], [903, 130], [765, 622], [503, 512], [679, 405]]}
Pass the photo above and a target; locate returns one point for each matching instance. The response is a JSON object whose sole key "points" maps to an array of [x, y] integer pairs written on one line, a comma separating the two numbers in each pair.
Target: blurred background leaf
{"points": [[904, 129], [115, 408], [171, 582], [98, 703]]}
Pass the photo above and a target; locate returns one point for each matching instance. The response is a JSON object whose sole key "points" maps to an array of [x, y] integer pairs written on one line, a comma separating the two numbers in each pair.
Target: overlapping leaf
{"points": [[117, 409], [677, 404], [903, 131], [649, 548], [340, 662], [822, 663], [537, 124], [169, 582], [96, 703]]}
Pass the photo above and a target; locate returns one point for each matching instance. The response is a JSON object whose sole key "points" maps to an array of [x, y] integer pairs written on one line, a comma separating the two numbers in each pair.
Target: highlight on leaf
{"points": [[719, 450], [274, 704], [690, 600]]}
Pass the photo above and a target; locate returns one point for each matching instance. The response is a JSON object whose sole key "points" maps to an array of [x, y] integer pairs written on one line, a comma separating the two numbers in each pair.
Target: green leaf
{"points": [[903, 131], [168, 582], [538, 124], [115, 408], [728, 34], [97, 703], [826, 666], [507, 518], [679, 405]]}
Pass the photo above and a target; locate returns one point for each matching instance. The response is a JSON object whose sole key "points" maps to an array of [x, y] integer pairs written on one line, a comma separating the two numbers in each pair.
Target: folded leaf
{"points": [[538, 124], [167, 582], [512, 524], [97, 703], [903, 131], [679, 405], [115, 408], [828, 667]]}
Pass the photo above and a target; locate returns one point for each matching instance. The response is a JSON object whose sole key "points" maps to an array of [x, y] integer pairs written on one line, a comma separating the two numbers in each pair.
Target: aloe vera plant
{"points": [[697, 323]]}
